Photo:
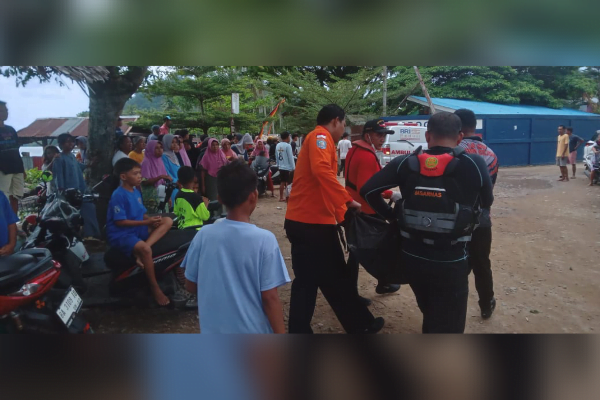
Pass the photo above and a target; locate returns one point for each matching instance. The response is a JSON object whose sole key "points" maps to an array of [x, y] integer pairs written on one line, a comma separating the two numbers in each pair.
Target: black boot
{"points": [[389, 288], [487, 309]]}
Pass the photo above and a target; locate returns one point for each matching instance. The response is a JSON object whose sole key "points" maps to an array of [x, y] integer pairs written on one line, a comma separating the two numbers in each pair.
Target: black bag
{"points": [[376, 245]]}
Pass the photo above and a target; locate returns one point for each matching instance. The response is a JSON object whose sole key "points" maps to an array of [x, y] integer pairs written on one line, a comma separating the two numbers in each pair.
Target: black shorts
{"points": [[286, 176]]}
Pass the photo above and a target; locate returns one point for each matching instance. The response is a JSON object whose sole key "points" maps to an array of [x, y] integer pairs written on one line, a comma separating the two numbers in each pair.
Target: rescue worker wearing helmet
{"points": [[443, 190]]}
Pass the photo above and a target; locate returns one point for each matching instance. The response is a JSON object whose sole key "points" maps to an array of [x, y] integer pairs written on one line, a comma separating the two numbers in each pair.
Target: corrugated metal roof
{"points": [[52, 127], [484, 108], [42, 127]]}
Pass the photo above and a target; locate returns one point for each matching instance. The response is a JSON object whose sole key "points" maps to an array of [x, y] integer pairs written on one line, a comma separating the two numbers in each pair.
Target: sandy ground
{"points": [[544, 258]]}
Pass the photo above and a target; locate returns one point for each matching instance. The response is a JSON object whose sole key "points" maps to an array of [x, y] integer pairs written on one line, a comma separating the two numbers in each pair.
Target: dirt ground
{"points": [[546, 271]]}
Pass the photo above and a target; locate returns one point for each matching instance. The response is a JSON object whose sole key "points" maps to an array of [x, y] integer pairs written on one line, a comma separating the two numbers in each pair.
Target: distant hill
{"points": [[140, 102]]}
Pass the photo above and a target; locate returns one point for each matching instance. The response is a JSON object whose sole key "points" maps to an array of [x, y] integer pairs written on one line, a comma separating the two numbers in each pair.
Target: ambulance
{"points": [[407, 138]]}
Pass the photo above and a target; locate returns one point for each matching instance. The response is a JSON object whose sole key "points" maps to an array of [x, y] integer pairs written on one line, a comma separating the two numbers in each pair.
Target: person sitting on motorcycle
{"points": [[8, 227], [261, 163], [595, 160], [128, 227], [190, 207]]}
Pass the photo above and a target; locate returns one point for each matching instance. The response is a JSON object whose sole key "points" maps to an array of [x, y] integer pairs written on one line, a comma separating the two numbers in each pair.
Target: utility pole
{"points": [[431, 107], [384, 91]]}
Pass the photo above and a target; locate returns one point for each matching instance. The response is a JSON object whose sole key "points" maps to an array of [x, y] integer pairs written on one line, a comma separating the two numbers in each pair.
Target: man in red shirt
{"points": [[165, 129], [361, 164]]}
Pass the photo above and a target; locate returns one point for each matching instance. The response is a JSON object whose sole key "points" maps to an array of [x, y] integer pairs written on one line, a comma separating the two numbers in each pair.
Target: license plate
{"points": [[69, 307]]}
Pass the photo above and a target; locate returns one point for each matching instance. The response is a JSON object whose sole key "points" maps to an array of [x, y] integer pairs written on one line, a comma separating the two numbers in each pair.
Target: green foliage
{"points": [[553, 87], [33, 177], [83, 114]]}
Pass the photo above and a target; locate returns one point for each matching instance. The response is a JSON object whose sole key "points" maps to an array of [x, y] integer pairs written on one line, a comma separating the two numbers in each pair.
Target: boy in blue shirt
{"points": [[128, 227], [236, 290], [8, 227]]}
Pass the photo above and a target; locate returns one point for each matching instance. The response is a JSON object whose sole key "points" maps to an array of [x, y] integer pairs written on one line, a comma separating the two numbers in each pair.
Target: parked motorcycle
{"points": [[108, 278], [29, 300], [589, 166]]}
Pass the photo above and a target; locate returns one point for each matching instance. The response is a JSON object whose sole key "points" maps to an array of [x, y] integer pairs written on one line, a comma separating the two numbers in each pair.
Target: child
{"points": [[128, 227], [190, 207], [8, 227], [237, 290]]}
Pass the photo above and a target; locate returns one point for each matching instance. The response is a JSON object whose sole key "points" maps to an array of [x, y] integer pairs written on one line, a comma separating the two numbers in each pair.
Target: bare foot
{"points": [[160, 297], [282, 200], [272, 195], [561, 180], [591, 184]]}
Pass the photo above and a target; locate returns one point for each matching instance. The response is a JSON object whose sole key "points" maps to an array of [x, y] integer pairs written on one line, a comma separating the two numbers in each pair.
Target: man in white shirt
{"points": [[285, 162], [343, 146]]}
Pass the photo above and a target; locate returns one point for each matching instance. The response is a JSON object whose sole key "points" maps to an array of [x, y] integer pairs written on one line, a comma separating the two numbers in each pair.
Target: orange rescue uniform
{"points": [[317, 197]]}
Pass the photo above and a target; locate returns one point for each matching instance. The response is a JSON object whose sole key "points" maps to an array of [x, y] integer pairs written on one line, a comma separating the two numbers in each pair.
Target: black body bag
{"points": [[376, 245]]}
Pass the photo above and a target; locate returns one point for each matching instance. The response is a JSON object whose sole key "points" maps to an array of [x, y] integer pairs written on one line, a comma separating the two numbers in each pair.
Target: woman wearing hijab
{"points": [[139, 144], [184, 155], [170, 159], [212, 161], [226, 149], [82, 145], [260, 147], [202, 151], [243, 146], [154, 174], [237, 139], [172, 165]]}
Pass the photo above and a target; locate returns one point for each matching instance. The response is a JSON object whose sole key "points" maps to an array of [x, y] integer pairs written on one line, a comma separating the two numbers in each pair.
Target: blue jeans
{"points": [[90, 221]]}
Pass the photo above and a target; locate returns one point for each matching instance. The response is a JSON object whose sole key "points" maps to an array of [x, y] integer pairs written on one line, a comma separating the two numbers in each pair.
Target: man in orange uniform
{"points": [[361, 164], [316, 206]]}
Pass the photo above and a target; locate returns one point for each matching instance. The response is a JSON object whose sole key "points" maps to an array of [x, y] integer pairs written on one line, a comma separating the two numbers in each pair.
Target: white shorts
{"points": [[12, 184]]}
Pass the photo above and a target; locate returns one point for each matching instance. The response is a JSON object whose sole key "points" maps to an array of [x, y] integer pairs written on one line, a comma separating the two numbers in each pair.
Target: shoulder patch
{"points": [[321, 144], [321, 137], [117, 209]]}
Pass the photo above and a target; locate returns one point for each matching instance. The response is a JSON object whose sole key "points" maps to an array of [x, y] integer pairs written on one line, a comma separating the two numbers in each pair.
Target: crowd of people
{"points": [[442, 215], [566, 154]]}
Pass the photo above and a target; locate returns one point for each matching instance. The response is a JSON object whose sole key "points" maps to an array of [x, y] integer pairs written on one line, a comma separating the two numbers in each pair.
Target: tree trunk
{"points": [[107, 100]]}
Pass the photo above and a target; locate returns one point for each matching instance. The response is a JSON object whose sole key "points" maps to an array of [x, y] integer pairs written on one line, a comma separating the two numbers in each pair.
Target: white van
{"points": [[407, 138]]}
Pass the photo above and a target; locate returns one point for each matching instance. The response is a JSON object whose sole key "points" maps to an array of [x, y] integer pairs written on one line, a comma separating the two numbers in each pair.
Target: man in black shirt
{"points": [[295, 144], [442, 190], [12, 179]]}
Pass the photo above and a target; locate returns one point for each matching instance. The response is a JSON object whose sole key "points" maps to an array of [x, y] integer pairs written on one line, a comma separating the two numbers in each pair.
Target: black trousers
{"points": [[318, 263], [442, 291], [479, 261]]}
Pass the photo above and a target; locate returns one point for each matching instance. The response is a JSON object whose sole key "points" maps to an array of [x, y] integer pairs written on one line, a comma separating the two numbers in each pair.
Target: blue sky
{"points": [[40, 100]]}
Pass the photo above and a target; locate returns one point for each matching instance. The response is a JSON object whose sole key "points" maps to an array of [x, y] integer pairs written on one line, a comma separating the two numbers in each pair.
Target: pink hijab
{"points": [[152, 166], [260, 147], [183, 154], [228, 153], [213, 161]]}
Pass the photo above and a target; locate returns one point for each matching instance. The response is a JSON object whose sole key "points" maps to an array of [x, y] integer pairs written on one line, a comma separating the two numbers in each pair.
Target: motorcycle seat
{"points": [[17, 269], [172, 241]]}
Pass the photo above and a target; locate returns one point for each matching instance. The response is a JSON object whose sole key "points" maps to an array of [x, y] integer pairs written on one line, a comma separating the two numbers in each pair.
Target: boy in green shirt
{"points": [[190, 207]]}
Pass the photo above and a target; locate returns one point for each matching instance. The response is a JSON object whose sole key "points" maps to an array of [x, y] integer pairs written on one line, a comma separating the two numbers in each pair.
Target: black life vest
{"points": [[427, 212]]}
